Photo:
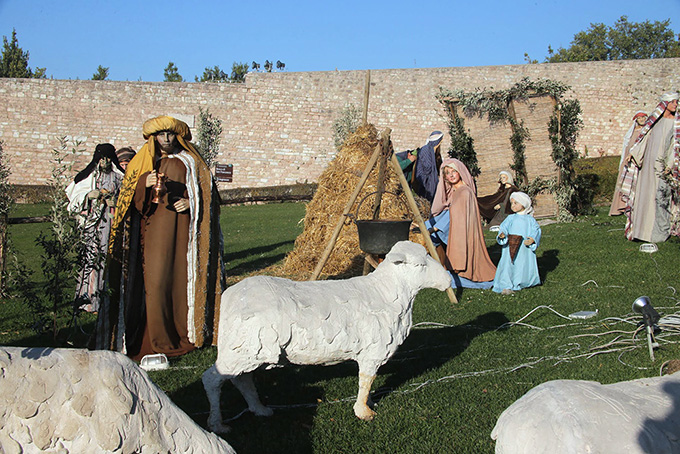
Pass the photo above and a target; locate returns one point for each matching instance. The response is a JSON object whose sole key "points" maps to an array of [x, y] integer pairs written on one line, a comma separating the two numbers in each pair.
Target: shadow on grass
{"points": [[495, 251], [547, 262], [74, 335], [257, 262], [292, 393], [427, 349]]}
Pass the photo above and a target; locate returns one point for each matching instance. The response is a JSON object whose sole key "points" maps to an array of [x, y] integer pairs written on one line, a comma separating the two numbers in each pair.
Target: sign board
{"points": [[224, 173]]}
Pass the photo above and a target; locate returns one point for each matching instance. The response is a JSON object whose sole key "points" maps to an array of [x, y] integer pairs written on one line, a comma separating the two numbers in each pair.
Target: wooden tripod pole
{"points": [[367, 91], [385, 151], [348, 207], [418, 218]]}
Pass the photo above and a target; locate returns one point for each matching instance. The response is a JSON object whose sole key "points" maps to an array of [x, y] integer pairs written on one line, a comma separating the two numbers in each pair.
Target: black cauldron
{"points": [[377, 236]]}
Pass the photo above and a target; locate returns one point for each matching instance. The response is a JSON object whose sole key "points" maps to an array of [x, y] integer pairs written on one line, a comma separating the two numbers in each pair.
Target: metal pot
{"points": [[377, 236]]}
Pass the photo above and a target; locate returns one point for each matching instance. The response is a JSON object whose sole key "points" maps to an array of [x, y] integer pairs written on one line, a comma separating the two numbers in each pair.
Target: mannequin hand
{"points": [[501, 235], [529, 241], [151, 179], [181, 205]]}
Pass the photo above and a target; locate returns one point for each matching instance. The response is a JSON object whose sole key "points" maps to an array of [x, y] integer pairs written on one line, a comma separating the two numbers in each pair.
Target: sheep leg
{"points": [[244, 383], [361, 409], [212, 382]]}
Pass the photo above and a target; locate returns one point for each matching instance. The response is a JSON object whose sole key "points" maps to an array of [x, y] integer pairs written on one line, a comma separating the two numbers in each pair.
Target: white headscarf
{"points": [[511, 180], [671, 96], [435, 137], [524, 200]]}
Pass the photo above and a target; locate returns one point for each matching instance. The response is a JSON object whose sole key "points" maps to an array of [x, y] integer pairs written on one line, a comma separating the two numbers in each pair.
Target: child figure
{"points": [[519, 236]]}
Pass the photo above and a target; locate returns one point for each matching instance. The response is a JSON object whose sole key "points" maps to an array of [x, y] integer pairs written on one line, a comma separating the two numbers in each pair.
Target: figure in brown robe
{"points": [[494, 208], [165, 252]]}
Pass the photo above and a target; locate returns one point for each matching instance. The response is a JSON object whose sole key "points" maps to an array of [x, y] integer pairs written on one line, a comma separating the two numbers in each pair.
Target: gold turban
{"points": [[144, 161], [165, 123]]}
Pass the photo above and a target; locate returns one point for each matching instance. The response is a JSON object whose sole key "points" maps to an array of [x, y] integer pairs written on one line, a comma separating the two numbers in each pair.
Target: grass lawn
{"points": [[462, 365]]}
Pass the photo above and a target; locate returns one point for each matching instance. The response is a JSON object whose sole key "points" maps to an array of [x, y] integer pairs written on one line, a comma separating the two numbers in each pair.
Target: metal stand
{"points": [[649, 342]]}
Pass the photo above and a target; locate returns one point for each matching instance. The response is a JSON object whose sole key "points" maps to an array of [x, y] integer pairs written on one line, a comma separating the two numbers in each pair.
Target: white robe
{"points": [[651, 208]]}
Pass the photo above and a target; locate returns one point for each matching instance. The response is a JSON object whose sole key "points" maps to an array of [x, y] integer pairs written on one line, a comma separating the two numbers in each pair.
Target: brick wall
{"points": [[277, 127]]}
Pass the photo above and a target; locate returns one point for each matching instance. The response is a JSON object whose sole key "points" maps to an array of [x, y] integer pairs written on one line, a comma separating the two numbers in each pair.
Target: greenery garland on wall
{"points": [[572, 195], [462, 144], [496, 105], [519, 135]]}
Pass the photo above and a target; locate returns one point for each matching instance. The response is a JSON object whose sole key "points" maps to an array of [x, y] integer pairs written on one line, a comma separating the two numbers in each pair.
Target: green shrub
{"points": [[348, 120], [602, 173]]}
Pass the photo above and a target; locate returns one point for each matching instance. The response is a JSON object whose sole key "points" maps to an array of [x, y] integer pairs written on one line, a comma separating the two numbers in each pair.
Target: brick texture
{"points": [[277, 127]]}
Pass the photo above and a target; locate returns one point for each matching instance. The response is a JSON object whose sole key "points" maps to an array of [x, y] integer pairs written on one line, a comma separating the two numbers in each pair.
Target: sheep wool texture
{"points": [[269, 320]]}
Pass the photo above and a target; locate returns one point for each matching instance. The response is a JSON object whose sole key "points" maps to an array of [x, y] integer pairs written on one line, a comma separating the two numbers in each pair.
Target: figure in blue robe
{"points": [[522, 272]]}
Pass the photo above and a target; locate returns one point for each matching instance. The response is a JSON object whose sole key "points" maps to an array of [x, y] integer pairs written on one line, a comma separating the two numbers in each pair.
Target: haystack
{"points": [[335, 187]]}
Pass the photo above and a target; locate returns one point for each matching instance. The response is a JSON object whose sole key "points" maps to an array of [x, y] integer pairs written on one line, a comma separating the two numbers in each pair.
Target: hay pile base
{"points": [[335, 187]]}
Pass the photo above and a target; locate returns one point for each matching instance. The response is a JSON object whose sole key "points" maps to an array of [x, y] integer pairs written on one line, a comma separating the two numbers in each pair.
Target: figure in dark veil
{"points": [[421, 166], [92, 198]]}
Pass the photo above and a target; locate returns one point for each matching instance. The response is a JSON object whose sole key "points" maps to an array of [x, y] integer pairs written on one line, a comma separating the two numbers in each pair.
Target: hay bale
{"points": [[335, 187]]}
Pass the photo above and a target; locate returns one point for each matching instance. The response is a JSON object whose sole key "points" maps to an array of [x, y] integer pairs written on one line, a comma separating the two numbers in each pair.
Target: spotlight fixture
{"points": [[643, 306]]}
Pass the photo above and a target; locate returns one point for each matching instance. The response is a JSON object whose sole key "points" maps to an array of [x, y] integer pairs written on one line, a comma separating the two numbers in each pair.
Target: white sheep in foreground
{"points": [[79, 401], [574, 416], [269, 321]]}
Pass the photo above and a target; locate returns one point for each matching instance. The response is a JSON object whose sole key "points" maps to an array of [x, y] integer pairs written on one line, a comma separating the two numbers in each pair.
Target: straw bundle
{"points": [[335, 187]]}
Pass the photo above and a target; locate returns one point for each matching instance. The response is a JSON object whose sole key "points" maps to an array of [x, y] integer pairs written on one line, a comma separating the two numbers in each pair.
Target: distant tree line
{"points": [[215, 74], [623, 41], [14, 63]]}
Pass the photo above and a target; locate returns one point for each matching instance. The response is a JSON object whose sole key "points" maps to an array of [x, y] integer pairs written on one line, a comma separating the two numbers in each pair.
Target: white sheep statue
{"points": [[575, 416], [270, 321], [73, 400]]}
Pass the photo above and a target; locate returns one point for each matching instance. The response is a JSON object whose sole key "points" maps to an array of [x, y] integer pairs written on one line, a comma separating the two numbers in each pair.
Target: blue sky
{"points": [[137, 39]]}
